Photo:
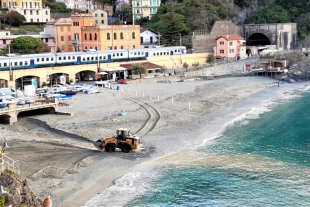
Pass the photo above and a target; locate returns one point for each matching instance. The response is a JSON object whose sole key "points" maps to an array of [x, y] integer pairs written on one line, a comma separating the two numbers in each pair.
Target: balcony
{"points": [[76, 42]]}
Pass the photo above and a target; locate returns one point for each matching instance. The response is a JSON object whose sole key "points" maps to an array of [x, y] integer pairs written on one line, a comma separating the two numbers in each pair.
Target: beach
{"points": [[56, 154]]}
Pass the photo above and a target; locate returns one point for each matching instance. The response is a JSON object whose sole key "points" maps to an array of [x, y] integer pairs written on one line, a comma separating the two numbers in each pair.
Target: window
{"points": [[69, 29], [230, 43], [46, 40], [90, 47], [85, 36], [133, 35], [37, 12], [31, 20], [69, 58], [46, 12], [4, 42], [95, 38], [222, 51], [30, 12], [96, 21], [42, 59], [38, 60], [87, 58], [15, 64], [231, 50], [221, 43], [96, 15], [38, 20], [115, 48], [102, 21], [59, 58], [90, 37], [122, 36], [115, 35], [62, 47], [5, 64], [47, 59], [101, 14], [108, 36], [133, 47], [85, 47], [69, 38], [52, 59], [76, 24], [73, 57], [26, 62], [20, 63], [25, 12], [62, 38], [92, 58], [122, 47]]}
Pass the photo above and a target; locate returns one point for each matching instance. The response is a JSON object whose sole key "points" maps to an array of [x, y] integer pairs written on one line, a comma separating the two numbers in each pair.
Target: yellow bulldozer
{"points": [[122, 140]]}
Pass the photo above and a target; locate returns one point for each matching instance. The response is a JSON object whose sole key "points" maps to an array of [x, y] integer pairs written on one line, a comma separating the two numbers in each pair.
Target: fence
{"points": [[8, 163]]}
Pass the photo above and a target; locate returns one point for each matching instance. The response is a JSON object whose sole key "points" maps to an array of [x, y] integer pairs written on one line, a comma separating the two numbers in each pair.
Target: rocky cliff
{"points": [[17, 190]]}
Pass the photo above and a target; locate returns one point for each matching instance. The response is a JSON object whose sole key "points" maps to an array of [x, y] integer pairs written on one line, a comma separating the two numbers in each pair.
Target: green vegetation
{"points": [[195, 64], [138, 69], [185, 65], [210, 58], [163, 69], [12, 18], [28, 45], [52, 4], [2, 200]]}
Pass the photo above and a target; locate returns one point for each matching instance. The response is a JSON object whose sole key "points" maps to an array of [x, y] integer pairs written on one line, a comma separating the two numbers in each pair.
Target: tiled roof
{"points": [[63, 21], [231, 37], [148, 65], [145, 29]]}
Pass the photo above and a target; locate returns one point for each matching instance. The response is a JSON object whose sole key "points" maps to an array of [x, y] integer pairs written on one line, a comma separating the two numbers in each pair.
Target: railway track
{"points": [[152, 119]]}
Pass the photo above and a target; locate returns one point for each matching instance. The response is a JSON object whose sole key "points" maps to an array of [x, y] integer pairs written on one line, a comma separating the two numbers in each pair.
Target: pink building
{"points": [[48, 39], [230, 46]]}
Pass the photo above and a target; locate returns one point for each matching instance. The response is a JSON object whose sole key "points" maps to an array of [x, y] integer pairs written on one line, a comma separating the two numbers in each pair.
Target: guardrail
{"points": [[8, 163]]}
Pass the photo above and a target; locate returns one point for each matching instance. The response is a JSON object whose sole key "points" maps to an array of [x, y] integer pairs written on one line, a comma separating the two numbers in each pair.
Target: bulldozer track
{"points": [[147, 107]]}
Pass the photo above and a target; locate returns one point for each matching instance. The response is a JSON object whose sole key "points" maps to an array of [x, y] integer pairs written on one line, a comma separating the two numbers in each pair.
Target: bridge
{"points": [[9, 115]]}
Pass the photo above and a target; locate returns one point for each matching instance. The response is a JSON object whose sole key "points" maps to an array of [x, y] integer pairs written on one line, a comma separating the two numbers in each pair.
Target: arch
{"points": [[108, 36], [5, 119], [3, 83], [22, 81], [90, 36], [115, 36], [82, 74], [133, 35], [257, 39], [122, 47], [85, 36], [122, 36], [115, 47], [95, 38]]}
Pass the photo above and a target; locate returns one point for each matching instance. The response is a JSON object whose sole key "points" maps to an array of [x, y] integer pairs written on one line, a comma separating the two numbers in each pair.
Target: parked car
{"points": [[77, 79], [85, 78], [91, 78], [122, 81], [88, 78]]}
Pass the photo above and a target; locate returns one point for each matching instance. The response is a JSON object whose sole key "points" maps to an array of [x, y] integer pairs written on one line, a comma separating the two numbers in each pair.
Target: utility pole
{"points": [[10, 66], [180, 40]]}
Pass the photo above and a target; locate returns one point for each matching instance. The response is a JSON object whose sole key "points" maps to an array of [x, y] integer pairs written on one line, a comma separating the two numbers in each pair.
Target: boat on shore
{"points": [[124, 112], [69, 92]]}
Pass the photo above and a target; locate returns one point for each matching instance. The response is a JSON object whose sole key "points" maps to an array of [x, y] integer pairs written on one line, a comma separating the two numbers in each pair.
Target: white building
{"points": [[148, 37], [32, 10]]}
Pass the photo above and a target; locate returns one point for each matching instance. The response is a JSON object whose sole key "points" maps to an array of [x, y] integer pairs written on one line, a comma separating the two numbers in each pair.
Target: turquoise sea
{"points": [[262, 159]]}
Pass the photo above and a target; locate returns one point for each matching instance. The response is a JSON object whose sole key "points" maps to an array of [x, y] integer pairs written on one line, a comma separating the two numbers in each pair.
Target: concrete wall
{"points": [[171, 62]]}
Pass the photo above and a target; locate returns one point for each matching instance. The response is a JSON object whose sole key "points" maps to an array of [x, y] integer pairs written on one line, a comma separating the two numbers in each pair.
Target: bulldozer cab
{"points": [[121, 134]]}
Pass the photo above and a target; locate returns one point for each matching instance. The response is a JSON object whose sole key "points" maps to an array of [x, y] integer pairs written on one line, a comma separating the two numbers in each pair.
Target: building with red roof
{"points": [[230, 46]]}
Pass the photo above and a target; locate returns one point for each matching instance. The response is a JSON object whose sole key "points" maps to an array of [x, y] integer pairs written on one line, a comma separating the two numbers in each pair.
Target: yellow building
{"points": [[111, 37]]}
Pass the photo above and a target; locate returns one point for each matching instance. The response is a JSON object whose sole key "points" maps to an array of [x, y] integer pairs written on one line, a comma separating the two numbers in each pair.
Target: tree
{"points": [[185, 65], [2, 53], [14, 18], [124, 14], [29, 45], [163, 69], [196, 65], [58, 50], [138, 69], [210, 58]]}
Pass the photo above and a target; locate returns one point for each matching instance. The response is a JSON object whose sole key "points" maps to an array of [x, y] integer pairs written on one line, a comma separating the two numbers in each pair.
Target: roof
{"points": [[146, 29], [63, 21], [148, 65], [231, 37]]}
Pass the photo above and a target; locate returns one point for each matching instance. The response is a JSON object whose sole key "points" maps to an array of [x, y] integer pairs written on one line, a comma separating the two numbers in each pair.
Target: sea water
{"points": [[262, 159]]}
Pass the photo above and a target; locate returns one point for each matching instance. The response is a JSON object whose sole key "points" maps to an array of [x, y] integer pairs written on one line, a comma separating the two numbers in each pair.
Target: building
{"points": [[48, 39], [230, 46], [32, 10], [63, 35], [148, 37], [144, 8], [79, 21], [101, 17], [111, 37]]}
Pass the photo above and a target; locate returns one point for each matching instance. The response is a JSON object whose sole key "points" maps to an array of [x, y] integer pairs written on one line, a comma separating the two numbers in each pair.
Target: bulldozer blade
{"points": [[98, 145]]}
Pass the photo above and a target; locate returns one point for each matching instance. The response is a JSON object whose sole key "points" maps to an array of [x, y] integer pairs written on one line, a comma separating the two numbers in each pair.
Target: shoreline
{"points": [[96, 171]]}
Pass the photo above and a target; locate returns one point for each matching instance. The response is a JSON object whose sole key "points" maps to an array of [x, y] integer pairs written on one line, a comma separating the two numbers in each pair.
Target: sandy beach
{"points": [[56, 154]]}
